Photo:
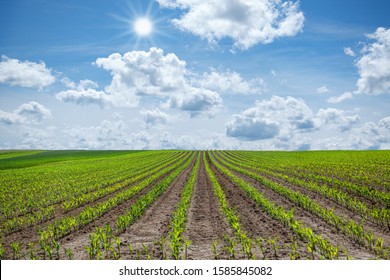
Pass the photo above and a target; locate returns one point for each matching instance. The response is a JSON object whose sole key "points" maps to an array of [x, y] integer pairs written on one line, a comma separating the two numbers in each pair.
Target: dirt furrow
{"points": [[206, 223]]}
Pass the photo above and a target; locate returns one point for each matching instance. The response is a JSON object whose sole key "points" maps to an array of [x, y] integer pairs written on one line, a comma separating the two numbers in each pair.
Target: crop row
{"points": [[179, 217]]}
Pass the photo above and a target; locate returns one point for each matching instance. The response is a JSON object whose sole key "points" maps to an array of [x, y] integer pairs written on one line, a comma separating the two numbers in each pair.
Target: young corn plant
{"points": [[131, 250], [260, 243], [32, 251], [56, 247], [161, 247], [275, 247], [187, 243], [69, 253], [118, 248], [214, 247], [16, 250], [2, 251], [294, 255], [230, 246]]}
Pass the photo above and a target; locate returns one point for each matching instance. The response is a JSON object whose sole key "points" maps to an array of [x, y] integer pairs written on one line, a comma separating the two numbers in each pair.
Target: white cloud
{"points": [[251, 128], [138, 74], [84, 94], [348, 51], [10, 118], [25, 73], [230, 82], [31, 112], [246, 22], [144, 73], [277, 117], [341, 98], [154, 117], [374, 65], [195, 101], [322, 89], [336, 118], [370, 135]]}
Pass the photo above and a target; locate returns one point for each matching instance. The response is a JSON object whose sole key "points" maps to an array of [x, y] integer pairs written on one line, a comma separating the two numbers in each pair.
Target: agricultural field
{"points": [[194, 205]]}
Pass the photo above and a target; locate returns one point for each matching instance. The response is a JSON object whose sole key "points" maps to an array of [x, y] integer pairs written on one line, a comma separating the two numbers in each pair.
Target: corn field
{"points": [[172, 204]]}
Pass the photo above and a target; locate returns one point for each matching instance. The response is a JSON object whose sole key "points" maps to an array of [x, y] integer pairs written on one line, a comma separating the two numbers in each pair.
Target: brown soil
{"points": [[206, 224]]}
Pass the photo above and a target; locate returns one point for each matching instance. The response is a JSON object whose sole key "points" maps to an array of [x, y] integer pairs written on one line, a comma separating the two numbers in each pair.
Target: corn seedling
{"points": [[274, 246], [69, 253], [187, 243], [215, 250], [260, 242], [31, 251], [16, 250], [2, 251], [56, 247], [294, 255], [118, 248], [230, 247]]}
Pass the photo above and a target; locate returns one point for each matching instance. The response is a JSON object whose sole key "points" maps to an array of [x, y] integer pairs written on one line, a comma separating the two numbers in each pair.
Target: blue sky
{"points": [[233, 74]]}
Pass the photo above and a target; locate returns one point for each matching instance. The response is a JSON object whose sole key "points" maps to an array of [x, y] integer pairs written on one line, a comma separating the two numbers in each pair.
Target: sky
{"points": [[195, 74]]}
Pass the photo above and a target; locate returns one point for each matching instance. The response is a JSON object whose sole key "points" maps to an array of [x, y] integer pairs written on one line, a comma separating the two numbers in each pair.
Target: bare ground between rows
{"points": [[30, 234], [318, 225], [338, 209], [257, 224], [205, 223]]}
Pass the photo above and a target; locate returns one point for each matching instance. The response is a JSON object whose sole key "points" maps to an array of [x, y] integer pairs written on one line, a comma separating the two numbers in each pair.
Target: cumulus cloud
{"points": [[31, 112], [276, 117], [348, 51], [154, 117], [138, 74], [341, 98], [144, 73], [374, 64], [246, 22], [230, 82], [322, 89], [370, 135], [251, 128], [25, 73], [195, 101], [84, 94], [337, 118]]}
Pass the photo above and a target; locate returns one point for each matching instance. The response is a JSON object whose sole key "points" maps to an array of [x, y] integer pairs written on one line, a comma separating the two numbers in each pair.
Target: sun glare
{"points": [[143, 27]]}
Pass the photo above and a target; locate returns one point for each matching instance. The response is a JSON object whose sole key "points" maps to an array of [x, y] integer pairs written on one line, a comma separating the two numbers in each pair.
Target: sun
{"points": [[143, 26]]}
